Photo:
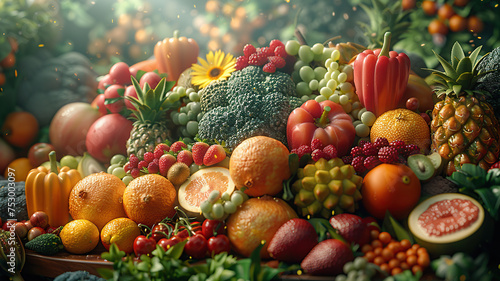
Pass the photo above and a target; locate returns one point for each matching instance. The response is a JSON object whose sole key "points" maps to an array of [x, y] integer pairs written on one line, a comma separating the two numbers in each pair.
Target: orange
{"points": [[8, 61], [402, 124], [256, 221], [97, 198], [457, 23], [20, 128], [122, 232], [408, 4], [79, 236], [475, 24], [460, 3], [437, 26], [429, 7], [20, 167], [446, 11], [390, 187], [260, 164], [3, 79], [149, 199], [200, 184]]}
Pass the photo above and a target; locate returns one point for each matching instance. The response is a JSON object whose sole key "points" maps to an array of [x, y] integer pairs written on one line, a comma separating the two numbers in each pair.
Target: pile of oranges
{"points": [[446, 19]]}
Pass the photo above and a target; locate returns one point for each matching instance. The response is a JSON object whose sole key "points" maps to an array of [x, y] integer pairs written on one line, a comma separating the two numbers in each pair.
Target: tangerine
{"points": [[437, 26], [429, 7], [408, 4], [445, 11], [79, 236], [390, 187], [122, 232], [98, 198], [402, 124], [20, 167], [457, 23], [20, 128], [200, 184], [149, 199], [260, 164], [475, 24], [256, 221], [461, 3], [8, 61]]}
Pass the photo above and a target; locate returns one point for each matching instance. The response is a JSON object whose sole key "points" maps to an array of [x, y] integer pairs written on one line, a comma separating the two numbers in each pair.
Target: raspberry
{"points": [[160, 149], [135, 172], [127, 167], [275, 43], [318, 154], [153, 168], [241, 62], [279, 62], [280, 52], [347, 159], [357, 151], [316, 144], [303, 150], [399, 145], [358, 164], [371, 162], [257, 59], [269, 67], [133, 161], [248, 50], [149, 156], [267, 51], [142, 164], [362, 143], [388, 154], [381, 142], [410, 149], [369, 149], [331, 151]]}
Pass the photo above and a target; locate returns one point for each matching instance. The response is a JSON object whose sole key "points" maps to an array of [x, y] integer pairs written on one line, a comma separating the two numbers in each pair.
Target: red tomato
{"points": [[218, 244], [306, 123], [144, 245]]}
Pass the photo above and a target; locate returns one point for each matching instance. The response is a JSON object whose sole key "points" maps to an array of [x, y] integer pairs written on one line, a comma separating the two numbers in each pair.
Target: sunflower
{"points": [[218, 66]]}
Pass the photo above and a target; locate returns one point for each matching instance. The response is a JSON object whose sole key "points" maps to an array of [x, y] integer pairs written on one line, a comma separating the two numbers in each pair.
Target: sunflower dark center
{"points": [[214, 72]]}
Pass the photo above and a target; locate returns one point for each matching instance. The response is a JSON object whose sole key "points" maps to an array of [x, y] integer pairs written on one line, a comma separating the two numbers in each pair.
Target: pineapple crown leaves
{"points": [[384, 17], [151, 104], [461, 75]]}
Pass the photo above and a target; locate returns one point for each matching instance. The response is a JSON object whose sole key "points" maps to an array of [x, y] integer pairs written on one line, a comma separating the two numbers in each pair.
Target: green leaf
{"points": [[464, 65], [175, 251], [457, 54], [448, 68], [391, 225], [491, 202], [323, 227], [293, 163], [475, 53], [105, 273], [255, 265]]}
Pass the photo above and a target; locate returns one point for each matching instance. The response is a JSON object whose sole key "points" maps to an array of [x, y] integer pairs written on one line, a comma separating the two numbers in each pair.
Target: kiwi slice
{"points": [[178, 173], [437, 161], [422, 166]]}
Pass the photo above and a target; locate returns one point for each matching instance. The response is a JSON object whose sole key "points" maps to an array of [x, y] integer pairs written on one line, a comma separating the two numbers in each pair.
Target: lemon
{"points": [[122, 232], [79, 236]]}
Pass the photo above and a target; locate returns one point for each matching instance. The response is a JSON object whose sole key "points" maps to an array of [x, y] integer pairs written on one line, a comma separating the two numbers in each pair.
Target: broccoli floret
{"points": [[20, 211], [213, 95], [258, 104], [78, 276]]}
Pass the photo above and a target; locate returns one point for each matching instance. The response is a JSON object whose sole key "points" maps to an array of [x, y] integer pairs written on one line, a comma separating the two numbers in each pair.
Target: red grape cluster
{"points": [[367, 155], [317, 150]]}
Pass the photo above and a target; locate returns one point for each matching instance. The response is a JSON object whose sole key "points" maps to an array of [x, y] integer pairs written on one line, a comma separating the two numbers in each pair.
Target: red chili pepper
{"points": [[380, 77]]}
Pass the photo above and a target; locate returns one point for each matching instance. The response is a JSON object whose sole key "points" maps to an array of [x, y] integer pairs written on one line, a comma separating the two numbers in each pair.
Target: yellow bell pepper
{"points": [[48, 190]]}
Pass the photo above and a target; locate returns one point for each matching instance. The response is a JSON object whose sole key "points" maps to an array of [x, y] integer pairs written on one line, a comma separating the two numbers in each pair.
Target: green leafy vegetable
{"points": [[391, 225]]}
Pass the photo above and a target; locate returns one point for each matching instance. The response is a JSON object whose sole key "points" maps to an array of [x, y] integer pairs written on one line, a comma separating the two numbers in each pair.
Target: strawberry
{"points": [[160, 149], [177, 146], [293, 241], [199, 149], [351, 227], [152, 168], [185, 156], [214, 155], [165, 162], [327, 258]]}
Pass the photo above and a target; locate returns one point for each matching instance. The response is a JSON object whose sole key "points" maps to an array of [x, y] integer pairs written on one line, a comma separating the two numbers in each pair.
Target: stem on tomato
{"points": [[386, 46], [323, 120], [53, 162]]}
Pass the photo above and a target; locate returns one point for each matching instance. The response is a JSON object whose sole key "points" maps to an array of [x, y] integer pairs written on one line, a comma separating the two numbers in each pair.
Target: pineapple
{"points": [[151, 125], [464, 128]]}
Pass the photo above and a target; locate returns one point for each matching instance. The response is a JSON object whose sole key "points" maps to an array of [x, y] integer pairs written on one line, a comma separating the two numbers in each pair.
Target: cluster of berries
{"points": [[164, 156], [317, 150], [367, 155], [271, 58]]}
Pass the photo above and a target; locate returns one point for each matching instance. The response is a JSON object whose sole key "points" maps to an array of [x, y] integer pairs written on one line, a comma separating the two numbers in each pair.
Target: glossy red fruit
{"points": [[352, 228], [196, 246], [39, 219], [412, 104], [219, 244], [293, 241], [166, 243], [211, 228], [327, 258], [143, 245]]}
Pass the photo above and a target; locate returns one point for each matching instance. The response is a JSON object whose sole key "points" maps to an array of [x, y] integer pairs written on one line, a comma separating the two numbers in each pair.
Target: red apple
{"points": [[39, 153], [108, 136]]}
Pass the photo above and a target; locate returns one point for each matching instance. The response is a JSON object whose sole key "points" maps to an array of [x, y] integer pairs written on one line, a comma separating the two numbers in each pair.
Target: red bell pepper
{"points": [[380, 77], [326, 121]]}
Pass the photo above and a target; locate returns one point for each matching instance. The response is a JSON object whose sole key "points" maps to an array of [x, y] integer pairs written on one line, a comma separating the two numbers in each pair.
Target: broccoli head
{"points": [[250, 103]]}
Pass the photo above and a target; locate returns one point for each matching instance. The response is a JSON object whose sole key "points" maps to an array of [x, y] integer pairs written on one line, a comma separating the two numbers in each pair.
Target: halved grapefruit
{"points": [[199, 185]]}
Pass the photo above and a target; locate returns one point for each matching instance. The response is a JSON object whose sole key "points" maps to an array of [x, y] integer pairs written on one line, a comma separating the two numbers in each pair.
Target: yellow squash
{"points": [[48, 190]]}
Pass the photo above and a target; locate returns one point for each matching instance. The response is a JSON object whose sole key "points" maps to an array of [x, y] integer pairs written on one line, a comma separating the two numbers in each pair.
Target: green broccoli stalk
{"points": [[250, 103]]}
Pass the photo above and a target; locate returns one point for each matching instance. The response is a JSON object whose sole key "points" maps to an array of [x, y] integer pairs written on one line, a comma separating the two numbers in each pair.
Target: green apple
{"points": [[70, 161]]}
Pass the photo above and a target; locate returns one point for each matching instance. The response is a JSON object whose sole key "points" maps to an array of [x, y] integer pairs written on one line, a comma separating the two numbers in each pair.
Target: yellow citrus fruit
{"points": [[122, 232], [402, 124], [20, 167], [261, 165], [255, 221], [79, 236], [98, 198], [200, 184], [149, 199]]}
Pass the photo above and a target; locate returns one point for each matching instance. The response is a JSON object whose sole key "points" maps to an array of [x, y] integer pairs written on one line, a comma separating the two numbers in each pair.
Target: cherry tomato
{"points": [[211, 228], [196, 246], [218, 244], [144, 245], [160, 231], [166, 243]]}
